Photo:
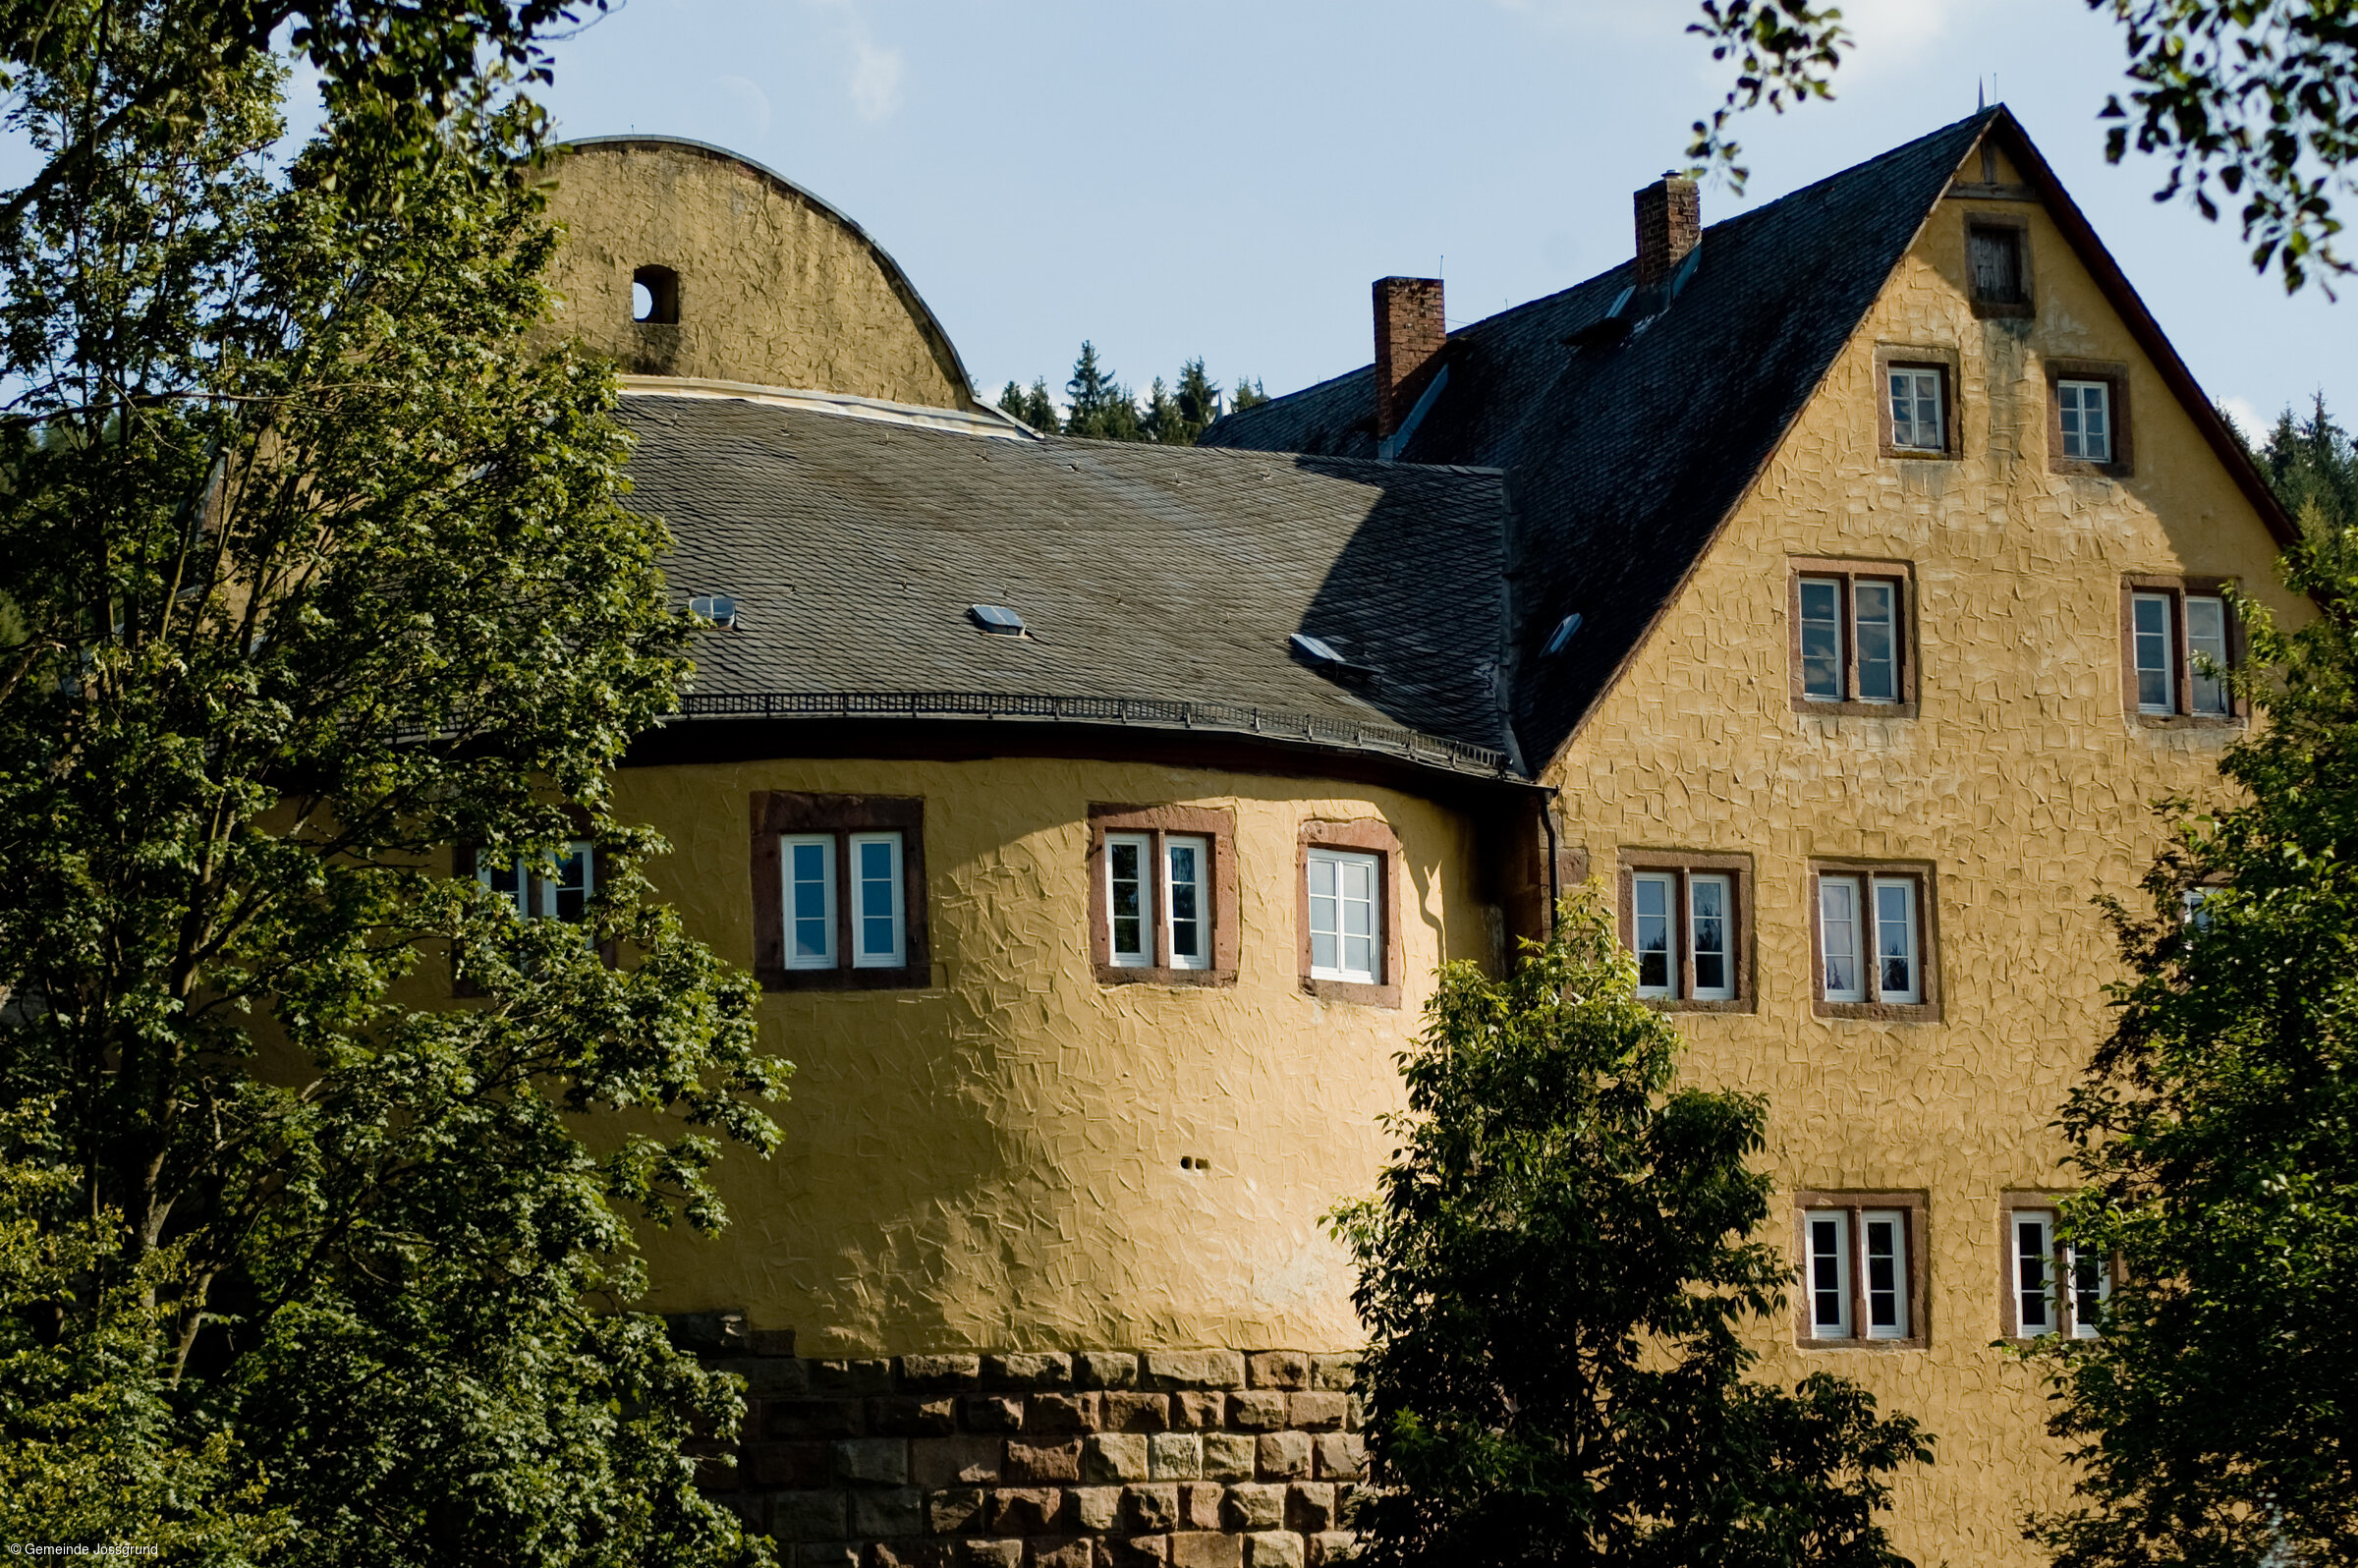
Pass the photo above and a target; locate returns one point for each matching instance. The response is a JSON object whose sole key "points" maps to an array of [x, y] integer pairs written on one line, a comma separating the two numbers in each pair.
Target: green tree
{"points": [[1246, 395], [1096, 405], [1556, 1274], [1103, 409], [314, 567], [2248, 100], [2313, 468], [2215, 1419], [1034, 405]]}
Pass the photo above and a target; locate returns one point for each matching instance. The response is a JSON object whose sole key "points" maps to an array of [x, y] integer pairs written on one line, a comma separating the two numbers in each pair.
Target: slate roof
{"points": [[1625, 457], [1158, 586]]}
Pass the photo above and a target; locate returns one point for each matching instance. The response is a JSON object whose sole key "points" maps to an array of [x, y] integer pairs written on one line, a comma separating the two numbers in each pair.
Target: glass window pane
{"points": [[1829, 1284], [508, 881], [1186, 858], [2030, 1276], [1650, 898], [1879, 645], [1895, 941], [1344, 932], [810, 866], [1821, 638], [1708, 906], [2091, 1284], [2205, 648], [876, 918], [571, 879], [1838, 938], [1126, 897], [2156, 678], [1886, 1249]]}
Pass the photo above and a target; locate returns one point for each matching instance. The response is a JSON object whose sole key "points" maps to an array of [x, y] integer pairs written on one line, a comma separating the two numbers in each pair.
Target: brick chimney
{"points": [[1410, 330], [1669, 222]]}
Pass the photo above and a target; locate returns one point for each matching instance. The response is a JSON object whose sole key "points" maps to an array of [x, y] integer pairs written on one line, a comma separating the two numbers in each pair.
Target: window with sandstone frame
{"points": [[1852, 636], [839, 892], [2174, 632], [1163, 895], [1687, 916], [1340, 870], [2079, 391], [1874, 940], [1916, 389], [1860, 1264]]}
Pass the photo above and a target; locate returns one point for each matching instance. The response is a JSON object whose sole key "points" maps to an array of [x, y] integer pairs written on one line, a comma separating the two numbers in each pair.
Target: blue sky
{"points": [[1225, 177]]}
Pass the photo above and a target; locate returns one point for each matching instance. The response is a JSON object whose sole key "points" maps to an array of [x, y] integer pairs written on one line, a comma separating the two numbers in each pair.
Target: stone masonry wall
{"points": [[1094, 1459]]}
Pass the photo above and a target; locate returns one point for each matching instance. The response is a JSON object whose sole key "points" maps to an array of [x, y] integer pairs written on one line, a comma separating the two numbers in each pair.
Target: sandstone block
{"points": [[802, 1467], [912, 1418], [908, 1554], [768, 1377], [1273, 1549], [1136, 1411], [1050, 1368], [1061, 1554], [826, 1554], [889, 1511], [1134, 1551], [1284, 1455], [873, 1461], [990, 1553], [1356, 1416], [1175, 1456], [1205, 1549], [1310, 1506], [1254, 1506], [1340, 1453], [813, 1418], [1197, 1412], [956, 1461], [1334, 1372], [1331, 1548], [1028, 1511], [1317, 1410], [1150, 1510], [851, 1379], [1277, 1369], [1114, 1456], [1062, 1413], [1257, 1411], [1195, 1368], [955, 1511], [1094, 1508], [807, 1515], [1053, 1461], [1104, 1369], [992, 1413], [1230, 1455], [1200, 1504], [940, 1374]]}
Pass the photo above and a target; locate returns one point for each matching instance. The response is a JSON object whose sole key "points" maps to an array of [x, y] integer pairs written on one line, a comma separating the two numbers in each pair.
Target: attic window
{"points": [[1995, 251], [716, 609], [996, 619], [1327, 659], [656, 296], [1564, 632]]}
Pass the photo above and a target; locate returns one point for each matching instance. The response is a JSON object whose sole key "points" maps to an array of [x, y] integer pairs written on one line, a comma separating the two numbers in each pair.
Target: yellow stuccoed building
{"points": [[1840, 584]]}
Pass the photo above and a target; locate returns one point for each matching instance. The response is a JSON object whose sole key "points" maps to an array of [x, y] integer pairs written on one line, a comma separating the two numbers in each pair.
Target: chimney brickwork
{"points": [[1410, 331], [1670, 216]]}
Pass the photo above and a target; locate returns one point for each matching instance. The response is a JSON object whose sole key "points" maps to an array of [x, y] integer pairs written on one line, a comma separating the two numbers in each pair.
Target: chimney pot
{"points": [[1410, 330], [1670, 216]]}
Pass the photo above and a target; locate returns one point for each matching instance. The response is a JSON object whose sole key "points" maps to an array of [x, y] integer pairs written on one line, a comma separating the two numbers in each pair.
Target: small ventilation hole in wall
{"points": [[655, 296], [1194, 1162]]}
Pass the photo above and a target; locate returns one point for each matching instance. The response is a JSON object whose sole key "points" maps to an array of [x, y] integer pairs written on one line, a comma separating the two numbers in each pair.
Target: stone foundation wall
{"points": [[1094, 1459]]}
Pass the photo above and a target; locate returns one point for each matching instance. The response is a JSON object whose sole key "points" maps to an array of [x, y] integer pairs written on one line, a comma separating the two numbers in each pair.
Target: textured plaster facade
{"points": [[774, 287], [993, 1163], [2021, 782]]}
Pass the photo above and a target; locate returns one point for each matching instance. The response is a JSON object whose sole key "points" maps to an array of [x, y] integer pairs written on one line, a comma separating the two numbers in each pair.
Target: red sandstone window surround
{"points": [[2044, 1286], [1862, 1264], [1874, 940], [2168, 625], [1345, 912], [839, 892], [1688, 919], [1852, 636], [1162, 896]]}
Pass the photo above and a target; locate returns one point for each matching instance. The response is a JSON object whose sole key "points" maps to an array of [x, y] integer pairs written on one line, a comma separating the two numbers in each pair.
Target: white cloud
{"points": [[2246, 418], [749, 103], [875, 81]]}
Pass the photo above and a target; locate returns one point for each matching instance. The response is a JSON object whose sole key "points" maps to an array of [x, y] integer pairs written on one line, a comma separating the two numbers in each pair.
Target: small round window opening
{"points": [[656, 296]]}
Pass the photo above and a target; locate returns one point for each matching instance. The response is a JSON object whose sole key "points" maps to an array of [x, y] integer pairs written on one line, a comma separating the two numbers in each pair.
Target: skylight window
{"points": [[719, 609], [1317, 649], [1563, 633], [996, 619]]}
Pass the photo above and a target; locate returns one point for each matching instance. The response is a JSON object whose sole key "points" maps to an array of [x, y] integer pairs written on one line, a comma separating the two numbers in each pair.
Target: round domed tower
{"points": [[687, 261]]}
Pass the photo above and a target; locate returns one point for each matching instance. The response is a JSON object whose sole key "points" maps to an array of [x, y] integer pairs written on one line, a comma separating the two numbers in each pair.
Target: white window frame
{"points": [[1854, 950], [1144, 956], [1841, 691], [2083, 1326], [1725, 882], [1202, 887], [537, 890], [2162, 601], [2046, 1291], [1339, 859], [1912, 927], [825, 843], [1916, 375], [862, 957], [1859, 585], [1666, 884], [2221, 700], [584, 854], [2072, 403], [1897, 1220], [1814, 1262]]}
